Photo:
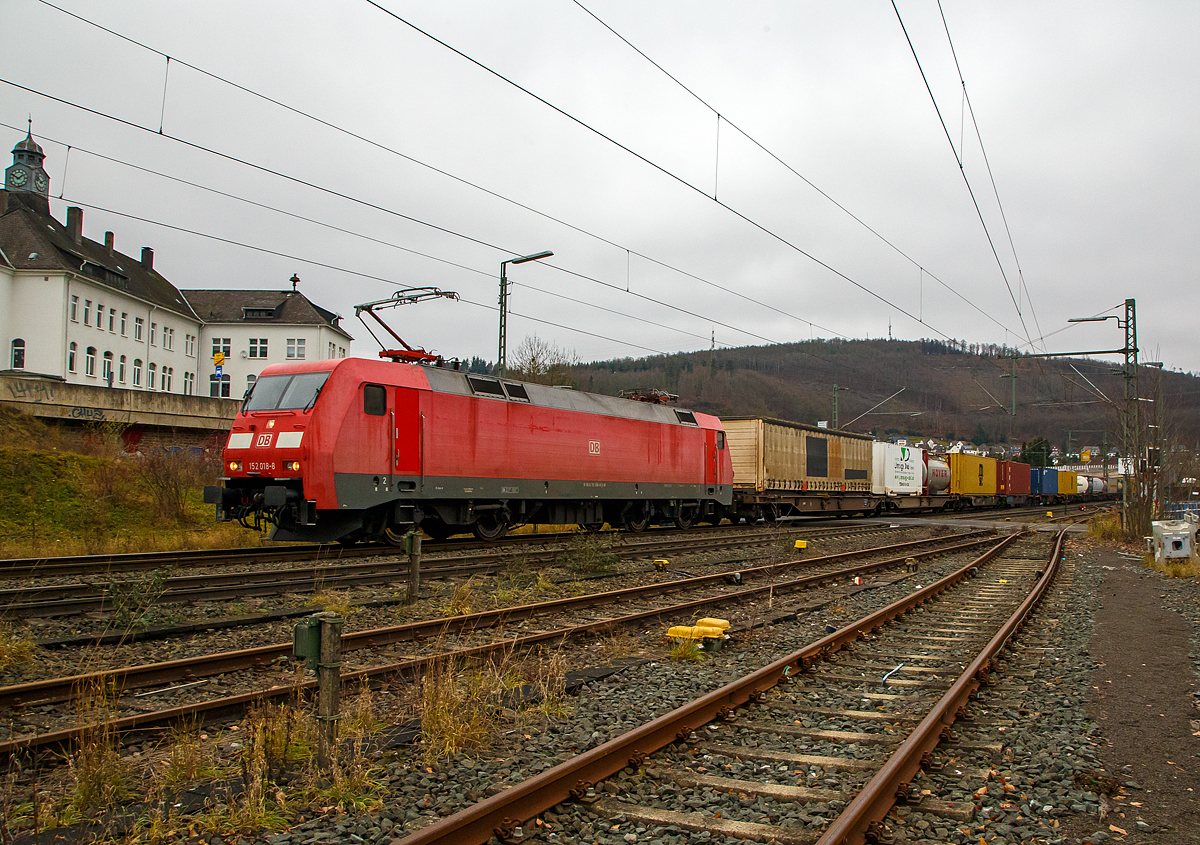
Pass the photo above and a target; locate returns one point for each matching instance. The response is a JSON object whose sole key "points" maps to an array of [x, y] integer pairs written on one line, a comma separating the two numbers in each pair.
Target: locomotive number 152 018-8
{"points": [[259, 466]]}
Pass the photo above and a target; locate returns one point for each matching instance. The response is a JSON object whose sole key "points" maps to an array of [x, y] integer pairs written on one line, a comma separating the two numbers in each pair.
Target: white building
{"points": [[76, 310], [254, 328]]}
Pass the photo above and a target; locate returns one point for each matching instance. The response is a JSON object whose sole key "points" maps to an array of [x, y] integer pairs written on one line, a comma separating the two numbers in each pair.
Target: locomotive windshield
{"points": [[285, 393]]}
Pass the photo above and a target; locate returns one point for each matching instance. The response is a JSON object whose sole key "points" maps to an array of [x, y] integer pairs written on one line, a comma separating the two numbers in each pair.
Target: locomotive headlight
{"points": [[292, 466], [235, 466]]}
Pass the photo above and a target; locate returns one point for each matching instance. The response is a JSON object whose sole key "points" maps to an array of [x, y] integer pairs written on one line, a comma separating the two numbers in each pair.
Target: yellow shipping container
{"points": [[1068, 482], [972, 475]]}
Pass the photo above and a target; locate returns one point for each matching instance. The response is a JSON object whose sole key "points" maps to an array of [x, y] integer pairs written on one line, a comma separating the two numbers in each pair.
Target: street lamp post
{"points": [[537, 256]]}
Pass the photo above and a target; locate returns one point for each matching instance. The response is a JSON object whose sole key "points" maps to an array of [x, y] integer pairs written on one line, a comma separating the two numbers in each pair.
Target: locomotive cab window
{"points": [[288, 392], [486, 386], [720, 441], [685, 417], [374, 400]]}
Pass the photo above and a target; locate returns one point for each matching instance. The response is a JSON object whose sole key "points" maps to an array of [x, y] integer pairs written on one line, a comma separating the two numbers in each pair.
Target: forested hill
{"points": [[955, 392]]}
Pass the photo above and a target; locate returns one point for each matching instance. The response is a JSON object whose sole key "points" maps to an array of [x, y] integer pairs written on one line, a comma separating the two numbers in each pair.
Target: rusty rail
{"points": [[865, 813], [53, 690], [61, 688], [502, 813]]}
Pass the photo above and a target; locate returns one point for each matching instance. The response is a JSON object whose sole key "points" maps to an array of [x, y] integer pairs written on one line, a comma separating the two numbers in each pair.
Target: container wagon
{"points": [[782, 468]]}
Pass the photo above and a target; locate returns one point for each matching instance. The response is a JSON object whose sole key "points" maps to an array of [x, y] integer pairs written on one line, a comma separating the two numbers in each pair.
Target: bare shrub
{"points": [[543, 362], [168, 475]]}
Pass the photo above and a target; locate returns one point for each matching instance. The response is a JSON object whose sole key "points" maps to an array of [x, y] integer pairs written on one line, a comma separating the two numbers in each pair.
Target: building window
{"points": [[121, 370], [71, 350], [137, 372], [106, 367], [112, 319], [189, 345], [99, 316], [295, 347], [221, 346], [218, 387], [138, 323], [87, 311], [74, 309], [250, 382], [89, 362], [153, 332], [187, 384], [18, 354], [152, 376], [167, 374], [168, 338], [124, 317], [341, 352], [258, 347]]}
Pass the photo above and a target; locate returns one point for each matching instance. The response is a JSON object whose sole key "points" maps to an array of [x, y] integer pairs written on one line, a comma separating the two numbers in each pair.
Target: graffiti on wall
{"points": [[31, 391]]}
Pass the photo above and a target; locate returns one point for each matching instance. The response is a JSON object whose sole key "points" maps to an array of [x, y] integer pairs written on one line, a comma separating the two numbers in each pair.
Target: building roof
{"points": [[33, 240], [265, 307]]}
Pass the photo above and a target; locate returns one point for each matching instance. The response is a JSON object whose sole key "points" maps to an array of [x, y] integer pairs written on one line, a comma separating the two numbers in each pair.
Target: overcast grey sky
{"points": [[854, 217]]}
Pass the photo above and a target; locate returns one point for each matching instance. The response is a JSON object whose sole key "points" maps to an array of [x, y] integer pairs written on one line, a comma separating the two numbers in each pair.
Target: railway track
{"points": [[51, 599], [84, 565], [189, 672], [816, 747]]}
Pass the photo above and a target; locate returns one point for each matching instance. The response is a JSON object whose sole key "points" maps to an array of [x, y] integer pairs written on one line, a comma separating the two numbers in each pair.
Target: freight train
{"points": [[351, 449]]}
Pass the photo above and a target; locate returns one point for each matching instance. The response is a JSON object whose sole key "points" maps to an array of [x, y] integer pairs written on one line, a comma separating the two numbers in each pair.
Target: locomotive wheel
{"points": [[489, 527], [394, 535], [685, 520], [635, 523]]}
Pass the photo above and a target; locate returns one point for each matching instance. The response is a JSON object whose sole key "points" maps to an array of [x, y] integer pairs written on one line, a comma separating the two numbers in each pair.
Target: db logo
{"points": [[593, 447], [264, 440]]}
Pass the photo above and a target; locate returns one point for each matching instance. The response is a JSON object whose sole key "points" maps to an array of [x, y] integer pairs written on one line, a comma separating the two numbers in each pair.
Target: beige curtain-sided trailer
{"points": [[779, 456]]}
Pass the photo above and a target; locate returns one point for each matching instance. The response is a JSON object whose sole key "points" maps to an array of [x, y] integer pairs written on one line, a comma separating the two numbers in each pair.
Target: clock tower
{"points": [[26, 175]]}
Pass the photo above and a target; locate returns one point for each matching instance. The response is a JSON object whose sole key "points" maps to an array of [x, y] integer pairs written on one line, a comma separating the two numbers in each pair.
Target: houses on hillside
{"points": [[80, 311]]}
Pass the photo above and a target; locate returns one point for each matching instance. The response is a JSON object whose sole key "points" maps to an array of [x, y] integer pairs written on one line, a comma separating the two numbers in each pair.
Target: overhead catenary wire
{"points": [[374, 206], [724, 118], [766, 339], [660, 168], [962, 172], [466, 182], [991, 176], [315, 263], [342, 230]]}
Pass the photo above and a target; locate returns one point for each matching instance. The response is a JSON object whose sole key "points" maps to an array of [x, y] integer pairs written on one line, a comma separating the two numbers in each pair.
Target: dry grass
{"points": [[686, 651], [549, 678], [17, 648], [463, 600], [1175, 568], [455, 713], [614, 644], [333, 601], [101, 777], [40, 541], [1105, 527], [589, 553]]}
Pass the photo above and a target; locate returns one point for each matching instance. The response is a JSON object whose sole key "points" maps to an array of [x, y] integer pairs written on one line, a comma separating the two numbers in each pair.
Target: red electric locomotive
{"points": [[351, 449]]}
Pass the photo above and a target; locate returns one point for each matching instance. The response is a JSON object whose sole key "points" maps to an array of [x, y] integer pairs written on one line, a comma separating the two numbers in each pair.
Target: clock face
{"points": [[17, 178], [39, 181]]}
